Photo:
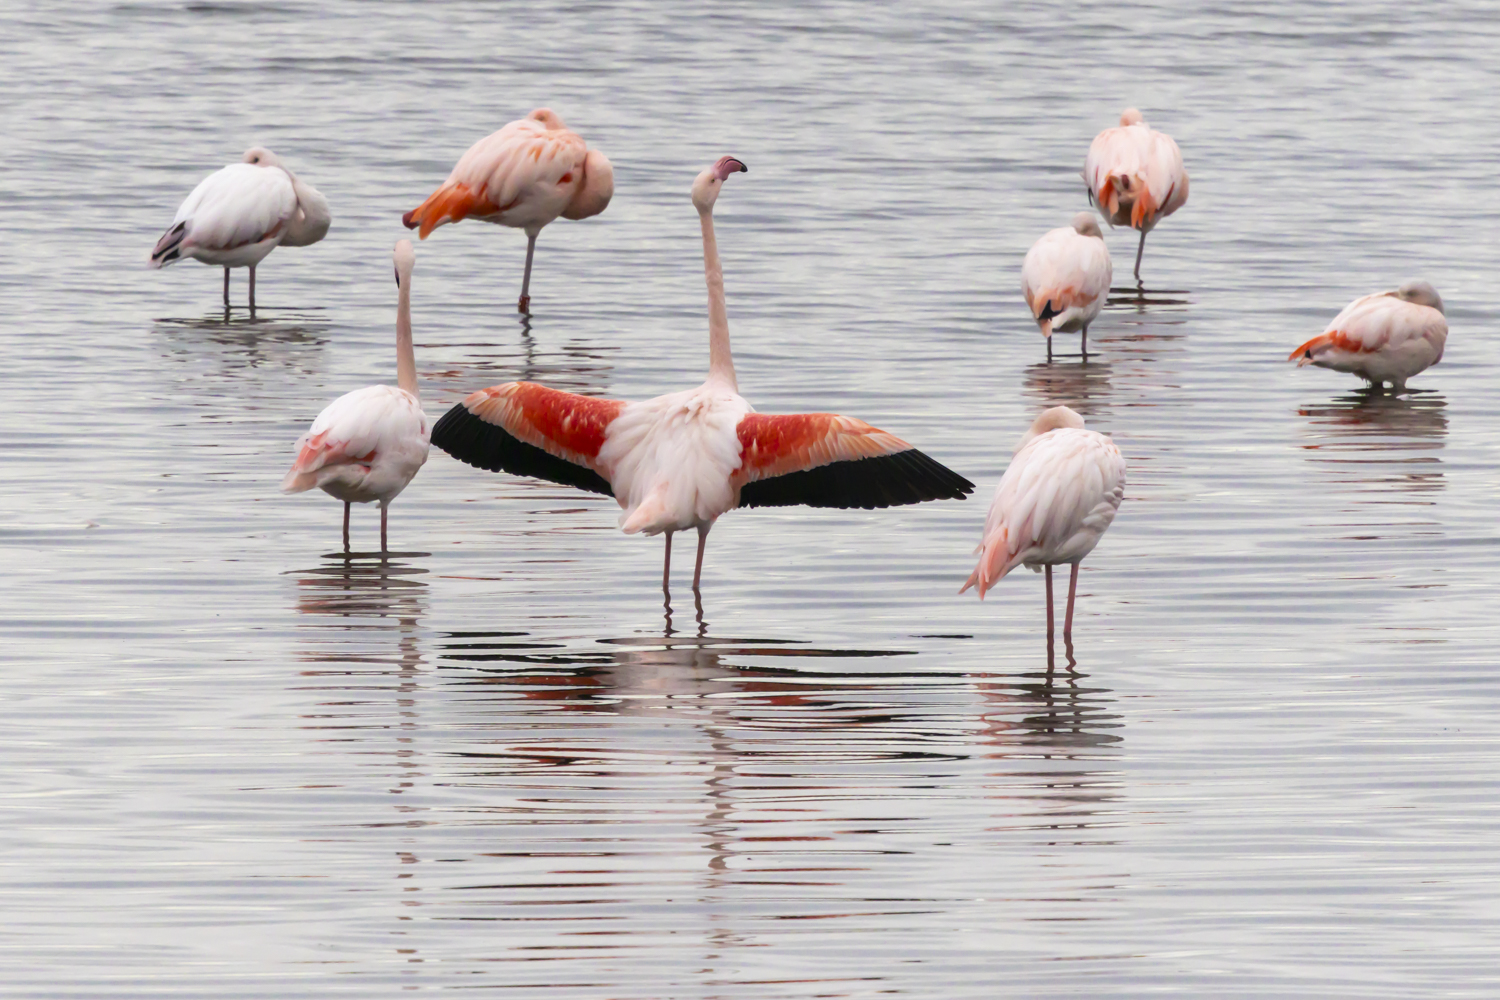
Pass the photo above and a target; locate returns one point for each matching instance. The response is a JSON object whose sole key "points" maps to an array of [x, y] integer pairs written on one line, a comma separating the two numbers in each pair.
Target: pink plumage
{"points": [[1384, 337], [1065, 279], [1135, 176]]}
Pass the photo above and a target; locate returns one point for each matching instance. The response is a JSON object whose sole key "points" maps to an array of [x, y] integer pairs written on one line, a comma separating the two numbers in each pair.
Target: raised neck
{"points": [[720, 360], [406, 360]]}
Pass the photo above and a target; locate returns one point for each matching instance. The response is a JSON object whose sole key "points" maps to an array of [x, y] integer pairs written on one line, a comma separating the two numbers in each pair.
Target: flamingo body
{"points": [[1066, 277], [1054, 502], [1384, 337], [367, 445], [684, 459], [1135, 176]]}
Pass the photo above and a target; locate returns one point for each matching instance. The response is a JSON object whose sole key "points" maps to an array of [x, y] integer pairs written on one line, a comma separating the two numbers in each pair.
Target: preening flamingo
{"points": [[523, 176], [1066, 277], [681, 460], [1384, 337], [368, 444], [1055, 501], [1135, 176], [238, 215]]}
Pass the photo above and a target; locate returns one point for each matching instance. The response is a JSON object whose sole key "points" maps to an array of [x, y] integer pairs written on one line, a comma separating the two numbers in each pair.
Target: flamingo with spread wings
{"points": [[1057, 498], [1385, 337], [1066, 277], [1135, 177], [236, 216], [681, 460], [524, 176], [368, 444]]}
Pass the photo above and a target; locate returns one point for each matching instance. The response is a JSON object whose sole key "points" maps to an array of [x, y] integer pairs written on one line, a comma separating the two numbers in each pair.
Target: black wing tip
{"points": [[906, 477], [484, 445]]}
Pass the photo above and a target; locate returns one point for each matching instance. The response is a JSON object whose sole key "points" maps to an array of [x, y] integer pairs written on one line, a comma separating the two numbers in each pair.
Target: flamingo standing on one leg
{"points": [[1135, 177], [1384, 337], [1066, 277], [679, 461], [1055, 501], [523, 176], [238, 215], [368, 444]]}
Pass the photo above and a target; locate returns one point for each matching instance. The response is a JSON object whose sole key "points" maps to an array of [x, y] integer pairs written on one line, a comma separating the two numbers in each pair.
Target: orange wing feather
{"points": [[776, 445], [563, 424]]}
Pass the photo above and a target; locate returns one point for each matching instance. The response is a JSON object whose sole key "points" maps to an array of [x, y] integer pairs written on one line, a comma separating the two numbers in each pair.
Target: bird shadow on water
{"points": [[1379, 442], [244, 342]]}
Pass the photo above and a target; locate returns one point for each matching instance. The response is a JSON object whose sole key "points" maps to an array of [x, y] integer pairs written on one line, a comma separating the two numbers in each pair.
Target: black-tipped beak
{"points": [[729, 165]]}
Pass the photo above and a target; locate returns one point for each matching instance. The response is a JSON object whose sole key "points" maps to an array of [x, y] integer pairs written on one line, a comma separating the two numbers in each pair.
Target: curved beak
{"points": [[729, 165]]}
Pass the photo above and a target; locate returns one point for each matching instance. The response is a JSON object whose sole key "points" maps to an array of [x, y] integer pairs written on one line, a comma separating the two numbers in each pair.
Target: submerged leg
{"points": [[1085, 343], [525, 304], [384, 548], [346, 526], [702, 543], [226, 288], [1049, 348], [252, 289], [666, 565], [1138, 251], [1068, 617]]}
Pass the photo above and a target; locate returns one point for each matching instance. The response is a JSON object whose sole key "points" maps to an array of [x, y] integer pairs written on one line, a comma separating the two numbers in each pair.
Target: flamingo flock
{"points": [[682, 460]]}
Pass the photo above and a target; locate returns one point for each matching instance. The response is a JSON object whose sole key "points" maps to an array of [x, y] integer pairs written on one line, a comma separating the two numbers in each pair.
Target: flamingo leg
{"points": [[666, 565], [1138, 251], [384, 548], [226, 288], [1049, 348], [1085, 343], [1068, 617], [252, 289], [702, 544], [525, 304], [1049, 605], [346, 518]]}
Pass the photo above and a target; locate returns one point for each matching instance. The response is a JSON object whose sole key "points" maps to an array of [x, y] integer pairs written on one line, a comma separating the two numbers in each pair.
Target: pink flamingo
{"points": [[1384, 337], [1055, 501], [368, 444], [1135, 176], [523, 176], [680, 460], [238, 215], [1066, 277]]}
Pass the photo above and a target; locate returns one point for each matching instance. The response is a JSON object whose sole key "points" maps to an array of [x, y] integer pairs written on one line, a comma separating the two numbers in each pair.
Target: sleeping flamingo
{"points": [[523, 176], [1384, 337], [1066, 277], [1054, 503], [368, 444], [238, 215], [1135, 177], [680, 460]]}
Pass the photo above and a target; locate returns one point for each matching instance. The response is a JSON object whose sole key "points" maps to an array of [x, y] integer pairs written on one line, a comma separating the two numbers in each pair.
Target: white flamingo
{"points": [[526, 175], [368, 444], [1135, 176], [1066, 277], [1055, 501], [681, 460], [1384, 337], [238, 215]]}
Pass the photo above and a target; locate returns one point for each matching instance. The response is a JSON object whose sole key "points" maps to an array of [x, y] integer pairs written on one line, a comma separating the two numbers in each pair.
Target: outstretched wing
{"points": [[530, 430], [828, 460]]}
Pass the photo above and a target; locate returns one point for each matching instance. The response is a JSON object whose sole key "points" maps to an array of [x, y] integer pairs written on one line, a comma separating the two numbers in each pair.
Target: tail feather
{"points": [[169, 247], [646, 513], [1145, 208], [297, 481], [453, 202]]}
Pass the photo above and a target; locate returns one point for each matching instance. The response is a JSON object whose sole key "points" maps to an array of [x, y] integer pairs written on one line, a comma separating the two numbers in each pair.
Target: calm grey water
{"points": [[239, 765]]}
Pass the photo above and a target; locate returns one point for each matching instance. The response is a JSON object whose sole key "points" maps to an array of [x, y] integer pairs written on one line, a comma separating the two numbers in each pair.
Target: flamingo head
{"points": [[547, 117], [1085, 224], [1421, 293], [1130, 116], [1050, 420], [706, 187], [405, 258], [262, 157]]}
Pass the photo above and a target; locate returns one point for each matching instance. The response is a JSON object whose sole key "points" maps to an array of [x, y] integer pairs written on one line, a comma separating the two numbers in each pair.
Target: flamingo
{"points": [[1066, 277], [1055, 501], [238, 215], [1135, 177], [1384, 337], [368, 444], [681, 460], [523, 176]]}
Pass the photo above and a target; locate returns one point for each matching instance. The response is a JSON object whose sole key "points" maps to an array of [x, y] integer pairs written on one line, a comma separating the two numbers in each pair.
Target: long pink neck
{"points": [[720, 360], [406, 361]]}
